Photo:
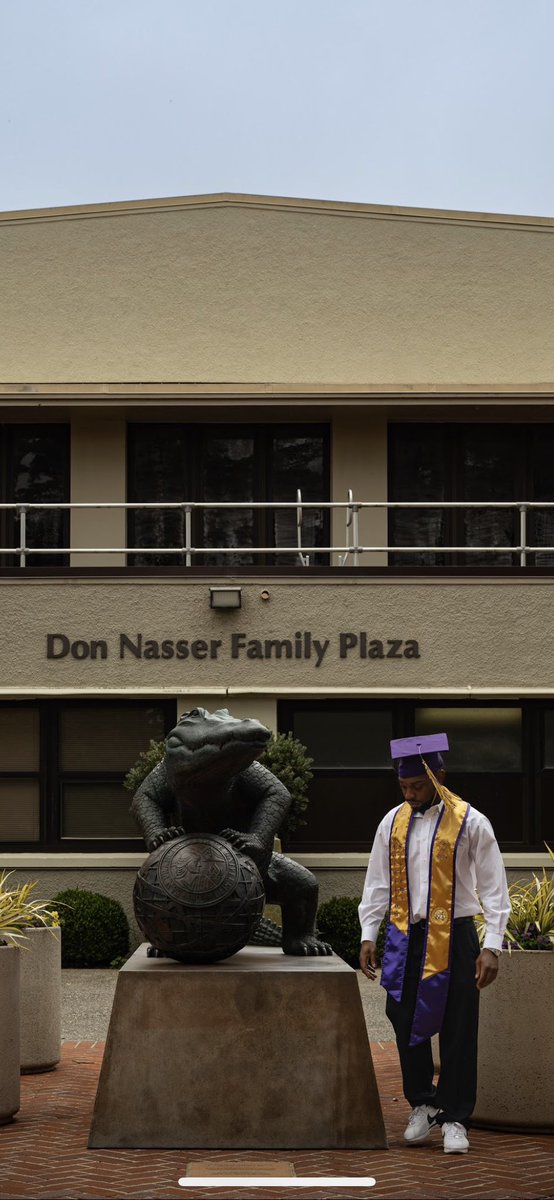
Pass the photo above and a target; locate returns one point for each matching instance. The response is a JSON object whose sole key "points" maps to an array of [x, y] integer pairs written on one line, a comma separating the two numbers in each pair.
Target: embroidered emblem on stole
{"points": [[435, 967]]}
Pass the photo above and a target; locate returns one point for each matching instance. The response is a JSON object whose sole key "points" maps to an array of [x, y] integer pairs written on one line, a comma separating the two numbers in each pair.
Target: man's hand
{"points": [[486, 969], [368, 959]]}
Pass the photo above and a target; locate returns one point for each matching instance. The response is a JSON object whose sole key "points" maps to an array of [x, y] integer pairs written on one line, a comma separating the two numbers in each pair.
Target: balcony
{"points": [[38, 531]]}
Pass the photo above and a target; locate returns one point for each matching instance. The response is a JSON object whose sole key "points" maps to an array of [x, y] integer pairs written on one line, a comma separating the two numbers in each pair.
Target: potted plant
{"points": [[10, 937], [30, 1009], [41, 1018], [516, 1049]]}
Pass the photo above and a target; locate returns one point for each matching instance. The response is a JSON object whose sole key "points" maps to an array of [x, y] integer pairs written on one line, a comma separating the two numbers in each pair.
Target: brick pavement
{"points": [[43, 1154]]}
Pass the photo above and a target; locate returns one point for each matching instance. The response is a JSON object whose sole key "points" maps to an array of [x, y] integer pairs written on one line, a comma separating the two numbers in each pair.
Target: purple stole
{"points": [[435, 967]]}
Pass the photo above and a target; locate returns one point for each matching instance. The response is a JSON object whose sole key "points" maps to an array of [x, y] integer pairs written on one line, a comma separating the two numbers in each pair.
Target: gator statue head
{"points": [[212, 747]]}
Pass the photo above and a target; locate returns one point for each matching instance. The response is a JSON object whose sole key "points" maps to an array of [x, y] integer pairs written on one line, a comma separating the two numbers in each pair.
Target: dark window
{"points": [[464, 462], [62, 767], [485, 764], [541, 473], [353, 786], [418, 470], [35, 470], [545, 779], [233, 465], [491, 765], [19, 774], [228, 473]]}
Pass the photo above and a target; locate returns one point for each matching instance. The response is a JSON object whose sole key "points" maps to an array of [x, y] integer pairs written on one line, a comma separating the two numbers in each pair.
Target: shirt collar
{"points": [[435, 809]]}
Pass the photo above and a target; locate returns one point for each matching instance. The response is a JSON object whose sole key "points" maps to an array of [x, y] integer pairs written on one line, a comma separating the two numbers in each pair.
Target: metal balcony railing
{"points": [[350, 551]]}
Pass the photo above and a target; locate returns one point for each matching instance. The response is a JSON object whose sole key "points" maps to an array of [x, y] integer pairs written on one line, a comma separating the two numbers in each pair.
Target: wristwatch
{"points": [[497, 953]]}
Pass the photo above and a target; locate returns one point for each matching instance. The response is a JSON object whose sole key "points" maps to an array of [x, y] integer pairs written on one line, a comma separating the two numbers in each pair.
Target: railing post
{"points": [[355, 533], [348, 513], [304, 558], [22, 535], [523, 535], [188, 535]]}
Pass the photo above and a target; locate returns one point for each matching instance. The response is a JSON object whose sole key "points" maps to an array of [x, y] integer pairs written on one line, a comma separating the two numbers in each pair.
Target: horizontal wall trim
{"points": [[302, 577], [133, 393], [320, 693], [40, 861]]}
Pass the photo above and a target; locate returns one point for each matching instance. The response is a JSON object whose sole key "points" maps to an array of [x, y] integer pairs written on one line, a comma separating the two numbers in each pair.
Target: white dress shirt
{"points": [[480, 875]]}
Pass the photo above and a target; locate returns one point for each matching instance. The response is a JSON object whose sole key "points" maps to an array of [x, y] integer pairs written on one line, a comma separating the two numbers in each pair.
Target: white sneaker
{"points": [[422, 1120], [454, 1138]]}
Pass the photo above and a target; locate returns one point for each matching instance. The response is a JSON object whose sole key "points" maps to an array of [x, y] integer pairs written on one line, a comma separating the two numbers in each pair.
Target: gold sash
{"points": [[441, 876]]}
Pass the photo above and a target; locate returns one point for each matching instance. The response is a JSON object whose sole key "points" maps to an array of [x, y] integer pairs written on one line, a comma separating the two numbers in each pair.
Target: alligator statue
{"points": [[209, 782]]}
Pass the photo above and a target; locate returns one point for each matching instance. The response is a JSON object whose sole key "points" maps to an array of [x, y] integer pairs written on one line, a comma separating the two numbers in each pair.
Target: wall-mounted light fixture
{"points": [[225, 597]]}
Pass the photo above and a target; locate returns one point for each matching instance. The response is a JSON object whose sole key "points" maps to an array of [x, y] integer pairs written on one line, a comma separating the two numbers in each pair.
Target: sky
{"points": [[423, 103]]}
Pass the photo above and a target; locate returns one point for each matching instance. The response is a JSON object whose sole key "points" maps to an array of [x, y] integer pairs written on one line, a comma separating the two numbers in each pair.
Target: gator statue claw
{"points": [[210, 782]]}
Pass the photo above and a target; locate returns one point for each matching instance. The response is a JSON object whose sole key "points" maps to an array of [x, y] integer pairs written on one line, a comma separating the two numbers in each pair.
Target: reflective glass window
{"points": [[480, 738], [418, 469], [346, 738], [97, 810], [35, 470], [103, 737]]}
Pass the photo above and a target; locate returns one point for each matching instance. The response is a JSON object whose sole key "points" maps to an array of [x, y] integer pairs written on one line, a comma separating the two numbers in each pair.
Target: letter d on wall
{"points": [[52, 651]]}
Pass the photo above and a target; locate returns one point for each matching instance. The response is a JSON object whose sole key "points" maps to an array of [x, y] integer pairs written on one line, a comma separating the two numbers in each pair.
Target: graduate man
{"points": [[432, 857]]}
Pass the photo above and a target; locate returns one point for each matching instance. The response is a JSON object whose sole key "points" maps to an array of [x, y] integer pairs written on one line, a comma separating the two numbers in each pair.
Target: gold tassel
{"points": [[446, 796]]}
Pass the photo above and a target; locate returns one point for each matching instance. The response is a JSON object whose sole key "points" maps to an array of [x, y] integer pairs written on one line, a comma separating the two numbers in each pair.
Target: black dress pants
{"points": [[456, 1089]]}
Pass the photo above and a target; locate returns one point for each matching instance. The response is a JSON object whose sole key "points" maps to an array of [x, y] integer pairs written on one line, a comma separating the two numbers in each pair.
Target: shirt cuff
{"points": [[369, 932], [493, 941]]}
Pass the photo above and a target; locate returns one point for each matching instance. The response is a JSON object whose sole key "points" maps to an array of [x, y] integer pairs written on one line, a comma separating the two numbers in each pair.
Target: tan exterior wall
{"points": [[474, 635], [98, 474], [267, 292], [359, 464]]}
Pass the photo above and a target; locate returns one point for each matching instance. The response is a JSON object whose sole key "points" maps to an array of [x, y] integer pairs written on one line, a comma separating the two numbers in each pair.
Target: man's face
{"points": [[418, 789]]}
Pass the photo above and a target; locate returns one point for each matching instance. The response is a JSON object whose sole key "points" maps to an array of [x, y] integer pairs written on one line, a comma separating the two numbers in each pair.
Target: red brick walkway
{"points": [[43, 1153]]}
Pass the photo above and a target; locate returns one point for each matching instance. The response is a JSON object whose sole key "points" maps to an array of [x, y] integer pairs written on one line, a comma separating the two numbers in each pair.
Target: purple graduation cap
{"points": [[407, 753]]}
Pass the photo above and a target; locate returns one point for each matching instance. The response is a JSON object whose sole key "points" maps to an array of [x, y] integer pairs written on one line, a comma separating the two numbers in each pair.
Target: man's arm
{"points": [[375, 899], [492, 889]]}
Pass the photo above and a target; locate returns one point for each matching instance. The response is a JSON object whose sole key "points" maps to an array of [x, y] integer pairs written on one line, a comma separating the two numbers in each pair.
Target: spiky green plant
{"points": [[18, 910], [531, 920]]}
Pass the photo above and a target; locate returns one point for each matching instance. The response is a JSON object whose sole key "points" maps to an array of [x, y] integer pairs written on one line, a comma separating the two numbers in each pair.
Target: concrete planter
{"points": [[515, 1087], [41, 983], [9, 1032]]}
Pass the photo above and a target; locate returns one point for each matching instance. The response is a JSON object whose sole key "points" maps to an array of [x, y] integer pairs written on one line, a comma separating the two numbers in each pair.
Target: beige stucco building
{"points": [[256, 353]]}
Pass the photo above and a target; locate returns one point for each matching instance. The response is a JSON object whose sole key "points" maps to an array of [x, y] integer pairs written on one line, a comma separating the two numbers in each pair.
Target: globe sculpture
{"points": [[197, 899]]}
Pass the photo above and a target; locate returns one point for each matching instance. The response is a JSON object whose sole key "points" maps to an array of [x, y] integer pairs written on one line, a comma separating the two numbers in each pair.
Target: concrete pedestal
{"points": [[262, 1051]]}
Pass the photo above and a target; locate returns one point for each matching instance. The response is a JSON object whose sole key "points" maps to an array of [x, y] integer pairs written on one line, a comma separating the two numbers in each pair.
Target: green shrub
{"points": [[289, 760], [95, 929], [146, 761], [338, 924]]}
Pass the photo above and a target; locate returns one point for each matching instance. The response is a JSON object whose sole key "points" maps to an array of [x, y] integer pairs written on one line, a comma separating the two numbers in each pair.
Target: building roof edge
{"points": [[290, 203]]}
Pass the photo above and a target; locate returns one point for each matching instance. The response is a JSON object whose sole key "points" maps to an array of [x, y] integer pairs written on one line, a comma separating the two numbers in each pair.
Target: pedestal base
{"points": [[262, 1051]]}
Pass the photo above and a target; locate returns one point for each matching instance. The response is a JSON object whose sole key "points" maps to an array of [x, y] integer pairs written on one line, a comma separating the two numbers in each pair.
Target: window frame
{"points": [[521, 473], [261, 433], [8, 536], [403, 725], [52, 779]]}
